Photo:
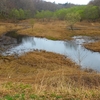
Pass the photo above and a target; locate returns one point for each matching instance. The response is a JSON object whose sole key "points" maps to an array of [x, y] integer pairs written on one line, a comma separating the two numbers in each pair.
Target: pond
{"points": [[72, 49]]}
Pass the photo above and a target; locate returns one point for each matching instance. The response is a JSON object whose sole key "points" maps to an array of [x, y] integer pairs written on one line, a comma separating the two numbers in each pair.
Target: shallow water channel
{"points": [[72, 49]]}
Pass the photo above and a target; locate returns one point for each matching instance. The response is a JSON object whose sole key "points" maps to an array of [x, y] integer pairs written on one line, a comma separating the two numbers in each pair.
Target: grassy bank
{"points": [[93, 46], [45, 75]]}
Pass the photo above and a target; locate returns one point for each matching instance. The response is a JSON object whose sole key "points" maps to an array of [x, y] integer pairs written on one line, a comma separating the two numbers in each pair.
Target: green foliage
{"points": [[27, 13], [22, 14], [88, 12], [8, 97], [85, 13], [61, 13], [55, 96], [21, 91], [15, 13], [33, 96], [15, 97], [91, 13], [72, 18], [19, 14], [48, 14], [44, 15], [21, 9]]}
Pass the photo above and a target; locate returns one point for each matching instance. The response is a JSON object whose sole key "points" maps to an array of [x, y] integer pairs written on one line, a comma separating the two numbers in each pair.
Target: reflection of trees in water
{"points": [[71, 45], [29, 39], [19, 40], [80, 55], [78, 52], [33, 42]]}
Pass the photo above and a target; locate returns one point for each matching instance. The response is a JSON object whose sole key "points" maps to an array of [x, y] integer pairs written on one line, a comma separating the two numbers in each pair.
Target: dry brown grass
{"points": [[26, 68], [58, 30], [33, 61], [52, 30], [93, 46], [48, 75], [8, 26]]}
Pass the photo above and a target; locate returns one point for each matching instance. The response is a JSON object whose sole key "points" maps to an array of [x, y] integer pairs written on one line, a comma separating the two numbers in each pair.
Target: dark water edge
{"points": [[72, 49], [10, 40]]}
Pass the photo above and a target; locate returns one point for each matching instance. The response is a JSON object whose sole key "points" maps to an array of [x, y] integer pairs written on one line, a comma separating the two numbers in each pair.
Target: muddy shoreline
{"points": [[9, 40], [6, 43]]}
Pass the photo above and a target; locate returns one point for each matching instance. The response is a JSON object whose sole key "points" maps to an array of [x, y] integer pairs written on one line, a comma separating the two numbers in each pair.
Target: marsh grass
{"points": [[93, 46], [46, 76], [61, 91], [56, 30]]}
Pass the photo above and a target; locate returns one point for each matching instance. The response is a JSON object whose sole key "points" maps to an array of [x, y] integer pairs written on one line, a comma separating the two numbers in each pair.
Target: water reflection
{"points": [[71, 45], [73, 49]]}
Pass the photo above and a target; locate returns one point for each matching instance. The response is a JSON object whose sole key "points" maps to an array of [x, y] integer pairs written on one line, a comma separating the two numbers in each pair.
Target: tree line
{"points": [[29, 5], [22, 9], [89, 12]]}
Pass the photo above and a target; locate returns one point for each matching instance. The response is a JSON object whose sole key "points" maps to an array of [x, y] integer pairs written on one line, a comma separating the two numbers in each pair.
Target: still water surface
{"points": [[72, 49]]}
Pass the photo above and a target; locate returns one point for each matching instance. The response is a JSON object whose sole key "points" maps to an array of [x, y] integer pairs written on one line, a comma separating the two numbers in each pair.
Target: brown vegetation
{"points": [[53, 29], [59, 29], [40, 72], [93, 46]]}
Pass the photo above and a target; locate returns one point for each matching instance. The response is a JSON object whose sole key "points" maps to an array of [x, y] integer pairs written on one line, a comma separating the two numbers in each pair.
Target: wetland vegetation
{"points": [[41, 74]]}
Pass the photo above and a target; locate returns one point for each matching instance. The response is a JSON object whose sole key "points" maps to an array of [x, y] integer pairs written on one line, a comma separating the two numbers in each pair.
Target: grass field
{"points": [[42, 75]]}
